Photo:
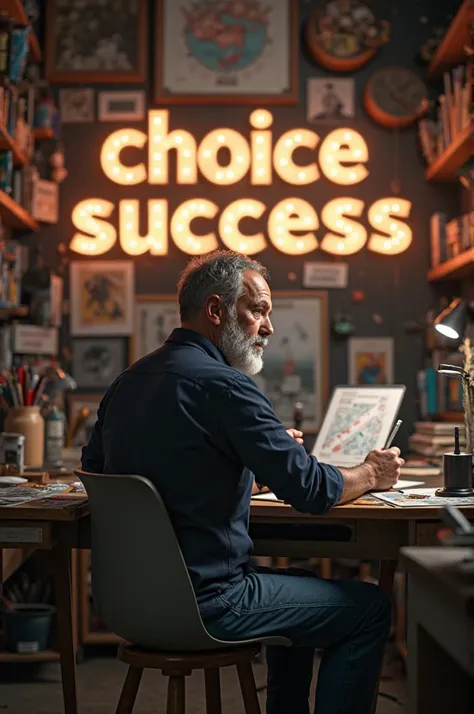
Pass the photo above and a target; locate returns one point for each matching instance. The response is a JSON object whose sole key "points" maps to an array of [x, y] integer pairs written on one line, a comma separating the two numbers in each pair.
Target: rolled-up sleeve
{"points": [[261, 442]]}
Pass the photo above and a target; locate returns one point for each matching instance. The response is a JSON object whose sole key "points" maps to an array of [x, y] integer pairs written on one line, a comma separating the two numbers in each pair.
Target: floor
{"points": [[100, 677]]}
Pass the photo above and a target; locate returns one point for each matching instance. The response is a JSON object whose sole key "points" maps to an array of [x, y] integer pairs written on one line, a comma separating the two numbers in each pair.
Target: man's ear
{"points": [[215, 311]]}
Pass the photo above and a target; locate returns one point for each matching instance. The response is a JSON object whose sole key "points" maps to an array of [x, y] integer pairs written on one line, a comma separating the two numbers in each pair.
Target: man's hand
{"points": [[385, 465], [297, 435]]}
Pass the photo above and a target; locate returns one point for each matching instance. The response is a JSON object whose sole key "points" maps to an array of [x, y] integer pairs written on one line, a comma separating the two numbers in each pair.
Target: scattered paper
{"points": [[415, 497]]}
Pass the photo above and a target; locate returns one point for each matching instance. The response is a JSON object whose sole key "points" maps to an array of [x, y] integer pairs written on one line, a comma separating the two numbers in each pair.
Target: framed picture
{"points": [[45, 201], [330, 99], [370, 360], [102, 297], [76, 106], [209, 51], [96, 361], [77, 402], [90, 41], [156, 316], [296, 358], [121, 106]]}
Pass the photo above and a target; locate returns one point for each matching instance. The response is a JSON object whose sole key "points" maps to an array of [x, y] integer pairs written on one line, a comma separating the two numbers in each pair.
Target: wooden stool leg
{"points": [[213, 691], [249, 690], [129, 691], [176, 694]]}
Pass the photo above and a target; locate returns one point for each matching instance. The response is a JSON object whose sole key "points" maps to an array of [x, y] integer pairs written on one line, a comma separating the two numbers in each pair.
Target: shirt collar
{"points": [[182, 336]]}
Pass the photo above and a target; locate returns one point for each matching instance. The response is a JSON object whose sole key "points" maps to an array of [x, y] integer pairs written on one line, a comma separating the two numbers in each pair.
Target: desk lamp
{"points": [[457, 466], [452, 322]]}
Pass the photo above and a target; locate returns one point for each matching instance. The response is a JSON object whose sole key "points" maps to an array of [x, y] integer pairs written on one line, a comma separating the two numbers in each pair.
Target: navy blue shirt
{"points": [[198, 429]]}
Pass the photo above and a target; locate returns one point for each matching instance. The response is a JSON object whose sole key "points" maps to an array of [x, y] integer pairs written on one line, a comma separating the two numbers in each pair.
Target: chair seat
{"points": [[178, 662]]}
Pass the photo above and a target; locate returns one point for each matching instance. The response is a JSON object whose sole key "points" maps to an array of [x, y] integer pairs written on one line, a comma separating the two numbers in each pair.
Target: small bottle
{"points": [[54, 437]]}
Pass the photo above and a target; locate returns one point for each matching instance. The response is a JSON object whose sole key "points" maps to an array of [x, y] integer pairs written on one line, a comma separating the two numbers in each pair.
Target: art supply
{"points": [[29, 422], [393, 434], [12, 451], [457, 472], [298, 416], [54, 438]]}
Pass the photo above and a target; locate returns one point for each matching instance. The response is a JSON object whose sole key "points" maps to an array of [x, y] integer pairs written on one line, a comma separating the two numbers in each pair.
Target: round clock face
{"points": [[395, 97], [343, 35]]}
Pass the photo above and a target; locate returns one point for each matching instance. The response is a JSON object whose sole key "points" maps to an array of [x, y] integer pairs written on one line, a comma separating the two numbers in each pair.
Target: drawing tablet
{"points": [[357, 420]]}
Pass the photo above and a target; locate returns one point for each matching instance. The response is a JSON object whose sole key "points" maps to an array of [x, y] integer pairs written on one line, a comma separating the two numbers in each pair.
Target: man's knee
{"points": [[374, 603]]}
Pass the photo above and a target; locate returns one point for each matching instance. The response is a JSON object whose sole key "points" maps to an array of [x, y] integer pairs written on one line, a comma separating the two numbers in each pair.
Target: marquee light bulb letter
{"points": [[110, 157], [283, 157], [181, 231], [159, 146], [350, 236], [384, 215], [101, 234], [293, 214], [261, 147], [239, 162], [348, 147], [229, 226], [157, 239]]}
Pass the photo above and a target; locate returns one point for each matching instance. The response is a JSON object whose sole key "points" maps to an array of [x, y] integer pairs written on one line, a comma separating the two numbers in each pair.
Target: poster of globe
{"points": [[224, 50], [295, 359]]}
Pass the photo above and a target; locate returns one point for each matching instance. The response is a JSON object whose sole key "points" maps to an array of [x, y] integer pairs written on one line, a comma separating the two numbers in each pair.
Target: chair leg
{"points": [[129, 691], [176, 694], [213, 691], [247, 686]]}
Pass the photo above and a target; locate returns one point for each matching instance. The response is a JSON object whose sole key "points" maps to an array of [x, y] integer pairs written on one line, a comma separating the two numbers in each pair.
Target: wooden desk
{"points": [[356, 530], [440, 632], [51, 524]]}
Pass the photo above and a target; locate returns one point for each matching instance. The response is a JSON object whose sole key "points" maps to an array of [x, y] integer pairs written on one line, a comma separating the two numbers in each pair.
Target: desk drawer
{"points": [[19, 534]]}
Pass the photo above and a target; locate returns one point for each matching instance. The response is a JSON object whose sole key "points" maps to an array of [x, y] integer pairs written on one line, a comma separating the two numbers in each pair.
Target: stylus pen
{"points": [[393, 434]]}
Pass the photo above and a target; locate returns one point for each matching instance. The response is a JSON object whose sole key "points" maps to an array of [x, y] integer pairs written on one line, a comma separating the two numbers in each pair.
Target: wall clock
{"points": [[343, 35], [395, 97]]}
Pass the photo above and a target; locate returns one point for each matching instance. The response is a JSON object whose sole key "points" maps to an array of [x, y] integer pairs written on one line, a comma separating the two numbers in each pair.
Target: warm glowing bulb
{"points": [[348, 172], [81, 218], [229, 226], [398, 235], [110, 160], [131, 240], [208, 153], [284, 164], [180, 227], [335, 217], [298, 215], [261, 119], [183, 143]]}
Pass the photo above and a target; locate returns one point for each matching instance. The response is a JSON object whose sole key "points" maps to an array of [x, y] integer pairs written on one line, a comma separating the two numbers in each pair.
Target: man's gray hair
{"points": [[220, 273]]}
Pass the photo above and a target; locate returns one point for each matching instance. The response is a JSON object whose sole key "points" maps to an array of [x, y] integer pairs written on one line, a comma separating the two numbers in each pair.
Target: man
{"points": [[190, 418]]}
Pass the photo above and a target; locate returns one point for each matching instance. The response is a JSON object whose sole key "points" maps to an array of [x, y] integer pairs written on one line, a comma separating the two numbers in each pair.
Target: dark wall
{"points": [[395, 286]]}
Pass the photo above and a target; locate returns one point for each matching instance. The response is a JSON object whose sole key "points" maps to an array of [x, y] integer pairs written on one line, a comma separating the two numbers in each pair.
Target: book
{"points": [[437, 439], [439, 427]]}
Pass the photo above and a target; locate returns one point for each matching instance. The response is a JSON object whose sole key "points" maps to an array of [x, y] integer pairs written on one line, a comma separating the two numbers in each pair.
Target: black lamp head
{"points": [[452, 321]]}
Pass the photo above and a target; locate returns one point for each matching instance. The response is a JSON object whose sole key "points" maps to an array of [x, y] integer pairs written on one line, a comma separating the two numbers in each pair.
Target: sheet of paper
{"points": [[416, 497], [269, 496], [402, 483]]}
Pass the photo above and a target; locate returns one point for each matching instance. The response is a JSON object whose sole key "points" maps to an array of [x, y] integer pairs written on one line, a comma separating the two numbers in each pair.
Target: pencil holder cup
{"points": [[29, 422]]}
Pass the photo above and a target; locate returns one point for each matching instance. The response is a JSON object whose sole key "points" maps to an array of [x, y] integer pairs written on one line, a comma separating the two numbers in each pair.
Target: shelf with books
{"points": [[446, 166], [14, 215], [451, 48], [455, 268], [17, 12], [8, 143]]}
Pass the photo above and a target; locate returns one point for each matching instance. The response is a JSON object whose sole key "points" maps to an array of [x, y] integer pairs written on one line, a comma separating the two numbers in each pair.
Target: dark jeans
{"points": [[348, 620]]}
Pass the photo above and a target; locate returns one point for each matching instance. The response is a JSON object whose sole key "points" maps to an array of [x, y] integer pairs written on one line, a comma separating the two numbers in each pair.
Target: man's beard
{"points": [[241, 351]]}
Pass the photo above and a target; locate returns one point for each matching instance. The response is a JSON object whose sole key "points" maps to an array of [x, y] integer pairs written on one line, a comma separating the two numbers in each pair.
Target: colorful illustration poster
{"points": [[371, 360]]}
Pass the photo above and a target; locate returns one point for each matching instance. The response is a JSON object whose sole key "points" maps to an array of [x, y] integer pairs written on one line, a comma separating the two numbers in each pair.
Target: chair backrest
{"points": [[140, 582]]}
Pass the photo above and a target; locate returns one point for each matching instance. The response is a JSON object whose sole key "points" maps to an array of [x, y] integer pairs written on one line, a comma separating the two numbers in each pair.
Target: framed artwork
{"points": [[156, 316], [214, 51], [370, 360], [77, 402], [76, 106], [330, 99], [102, 297], [296, 358], [121, 106], [90, 41], [97, 361]]}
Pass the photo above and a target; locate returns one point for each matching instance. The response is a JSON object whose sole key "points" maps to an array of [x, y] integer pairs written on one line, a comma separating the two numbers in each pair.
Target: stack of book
{"points": [[449, 238], [452, 116], [432, 439]]}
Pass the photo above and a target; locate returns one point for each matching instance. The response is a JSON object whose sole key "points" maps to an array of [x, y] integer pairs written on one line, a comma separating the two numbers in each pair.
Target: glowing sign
{"points": [[225, 157]]}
